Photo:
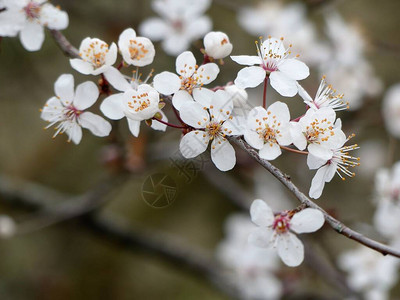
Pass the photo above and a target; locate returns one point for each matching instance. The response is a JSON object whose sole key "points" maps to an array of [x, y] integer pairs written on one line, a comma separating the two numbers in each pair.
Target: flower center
{"points": [[139, 102], [281, 223], [95, 54], [319, 131], [224, 41], [268, 133], [32, 10], [137, 50], [189, 83], [214, 129], [71, 112]]}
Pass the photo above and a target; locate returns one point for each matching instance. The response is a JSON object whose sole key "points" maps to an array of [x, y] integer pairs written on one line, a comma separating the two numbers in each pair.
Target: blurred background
{"points": [[68, 261]]}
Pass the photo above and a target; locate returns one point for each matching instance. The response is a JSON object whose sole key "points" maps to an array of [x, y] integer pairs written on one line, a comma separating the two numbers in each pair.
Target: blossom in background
{"points": [[217, 45], [267, 130], [137, 102], [189, 84], [28, 18], [135, 50], [275, 64], [181, 23], [67, 109], [339, 163], [278, 231], [97, 57], [211, 124], [391, 110], [8, 227], [250, 268], [370, 272], [318, 131], [326, 96]]}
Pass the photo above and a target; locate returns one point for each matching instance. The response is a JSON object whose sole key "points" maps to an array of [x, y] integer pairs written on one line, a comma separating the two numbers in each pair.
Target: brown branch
{"points": [[334, 223], [64, 44]]}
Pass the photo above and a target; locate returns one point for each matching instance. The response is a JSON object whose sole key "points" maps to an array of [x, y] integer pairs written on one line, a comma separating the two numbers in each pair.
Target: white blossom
{"points": [[274, 63], [181, 23], [269, 129], [217, 45], [391, 110], [211, 124], [8, 227], [68, 107], [189, 84], [28, 18], [136, 51], [279, 231]]}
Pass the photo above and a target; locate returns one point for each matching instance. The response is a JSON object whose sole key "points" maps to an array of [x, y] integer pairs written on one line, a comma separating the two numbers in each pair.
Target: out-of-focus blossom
{"points": [[189, 84], [28, 18], [391, 110], [68, 109], [373, 156], [249, 267], [278, 231], [181, 23], [274, 63], [217, 45], [7, 226], [137, 51]]}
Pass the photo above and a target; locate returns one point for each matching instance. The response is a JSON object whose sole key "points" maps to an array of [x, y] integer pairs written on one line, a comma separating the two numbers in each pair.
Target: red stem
{"points": [[169, 124], [120, 65], [265, 92]]}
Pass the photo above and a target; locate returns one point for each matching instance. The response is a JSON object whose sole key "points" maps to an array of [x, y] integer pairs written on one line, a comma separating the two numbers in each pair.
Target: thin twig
{"points": [[64, 44], [335, 224]]}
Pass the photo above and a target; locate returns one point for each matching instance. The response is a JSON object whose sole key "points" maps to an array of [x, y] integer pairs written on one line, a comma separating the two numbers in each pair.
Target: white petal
{"points": [[116, 79], [185, 64], [167, 83], [112, 107], [320, 151], [318, 183], [203, 96], [75, 134], [303, 94], [194, 115], [198, 27], [253, 139], [111, 55], [81, 66], [180, 98], [96, 124], [221, 106], [261, 237], [290, 249], [294, 69], [283, 84], [154, 28], [53, 18], [314, 162], [207, 73], [270, 151], [53, 110], [280, 110], [298, 138], [158, 125], [64, 88], [193, 143], [223, 154], [32, 36], [261, 214], [247, 60], [307, 220], [250, 77], [175, 43], [86, 95], [134, 127], [234, 126]]}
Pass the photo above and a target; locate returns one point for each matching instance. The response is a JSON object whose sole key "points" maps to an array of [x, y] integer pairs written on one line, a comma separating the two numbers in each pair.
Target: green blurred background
{"points": [[66, 261]]}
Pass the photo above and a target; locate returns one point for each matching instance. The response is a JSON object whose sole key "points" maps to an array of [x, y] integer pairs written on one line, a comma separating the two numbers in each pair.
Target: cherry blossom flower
{"points": [[137, 102], [249, 267], [8, 227], [267, 129], [189, 83], [67, 109], [339, 163], [391, 110], [279, 231], [96, 57], [370, 272], [179, 25], [274, 62], [241, 107], [211, 124], [326, 96], [28, 18], [318, 131], [136, 51], [217, 45]]}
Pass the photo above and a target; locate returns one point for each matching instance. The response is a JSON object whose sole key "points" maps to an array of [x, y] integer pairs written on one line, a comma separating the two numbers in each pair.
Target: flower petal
{"points": [[223, 154], [283, 84], [64, 88], [203, 96], [193, 143], [81, 66], [290, 249], [86, 95], [96, 124], [221, 106], [207, 73], [53, 17], [307, 220], [261, 237], [134, 127], [116, 79], [318, 150], [74, 133], [261, 214], [314, 162], [154, 28], [270, 151], [52, 111], [32, 36], [194, 115], [167, 83], [318, 183], [247, 60], [158, 125], [250, 77], [180, 98], [112, 107], [298, 138], [185, 64], [294, 69]]}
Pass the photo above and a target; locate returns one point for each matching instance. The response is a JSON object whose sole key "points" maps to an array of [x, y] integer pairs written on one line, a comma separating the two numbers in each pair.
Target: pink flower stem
{"points": [[293, 150], [265, 92], [169, 124], [178, 116], [297, 119], [120, 65]]}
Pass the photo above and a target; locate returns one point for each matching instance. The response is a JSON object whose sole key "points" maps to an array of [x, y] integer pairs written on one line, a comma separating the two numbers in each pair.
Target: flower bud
{"points": [[217, 45]]}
